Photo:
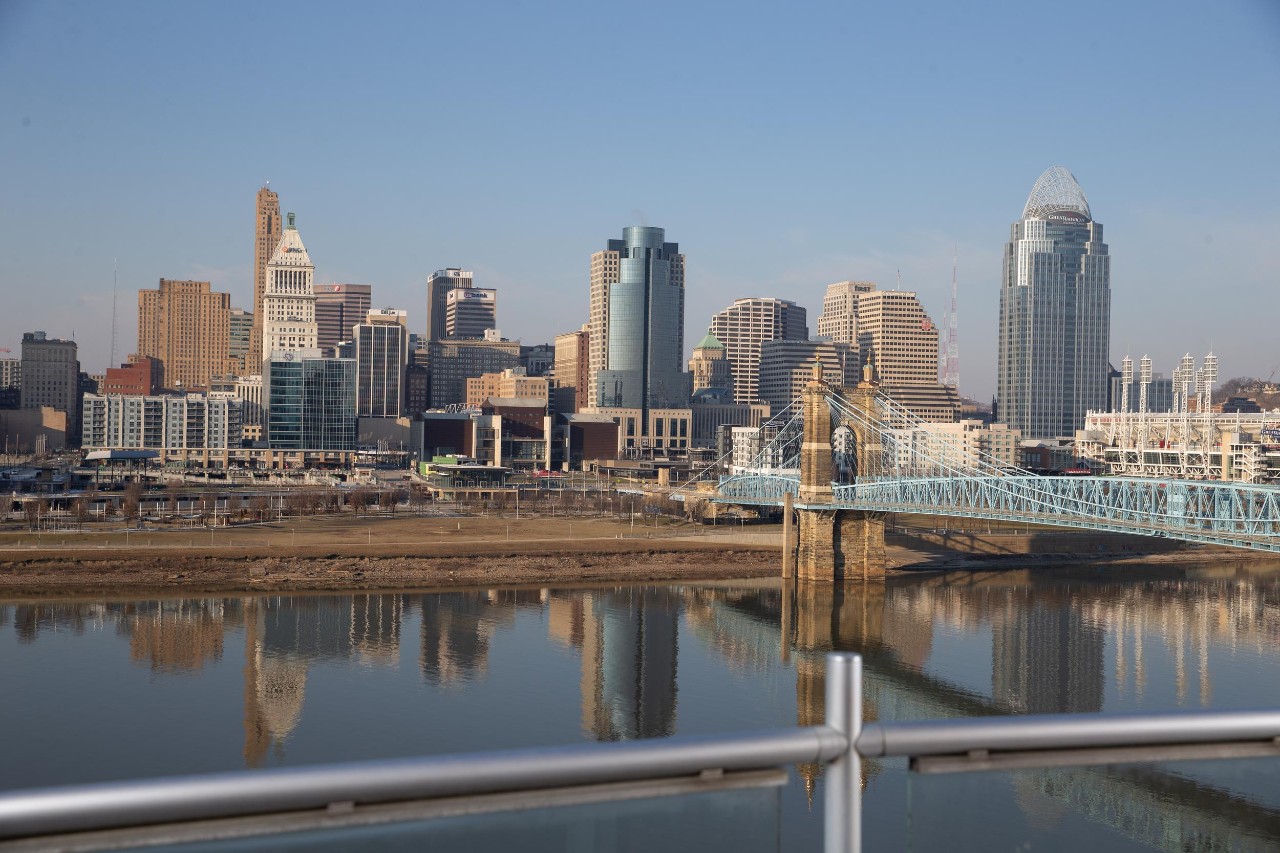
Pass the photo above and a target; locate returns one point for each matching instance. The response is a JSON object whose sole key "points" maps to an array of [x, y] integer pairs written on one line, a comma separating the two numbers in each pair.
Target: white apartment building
{"points": [[183, 427]]}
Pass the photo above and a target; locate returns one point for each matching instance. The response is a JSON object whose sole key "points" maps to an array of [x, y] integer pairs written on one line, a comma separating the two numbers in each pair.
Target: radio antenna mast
{"points": [[115, 272], [950, 350]]}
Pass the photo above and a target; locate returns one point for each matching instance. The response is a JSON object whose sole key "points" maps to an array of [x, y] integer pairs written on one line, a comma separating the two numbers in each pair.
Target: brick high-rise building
{"points": [[573, 358], [267, 233], [186, 325], [338, 308], [744, 326], [142, 375]]}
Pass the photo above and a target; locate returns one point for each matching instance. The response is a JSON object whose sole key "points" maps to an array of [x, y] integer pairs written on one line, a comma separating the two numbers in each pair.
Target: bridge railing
{"points": [[262, 809], [1175, 506]]}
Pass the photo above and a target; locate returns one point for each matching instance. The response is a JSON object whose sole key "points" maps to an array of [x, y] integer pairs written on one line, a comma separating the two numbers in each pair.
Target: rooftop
{"points": [[1056, 192]]}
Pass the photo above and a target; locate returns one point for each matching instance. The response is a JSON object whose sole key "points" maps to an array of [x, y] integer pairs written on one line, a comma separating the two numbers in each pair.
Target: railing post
{"points": [[842, 802]]}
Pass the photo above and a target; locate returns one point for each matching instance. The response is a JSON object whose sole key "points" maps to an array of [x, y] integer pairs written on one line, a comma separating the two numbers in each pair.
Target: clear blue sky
{"points": [[783, 147]]}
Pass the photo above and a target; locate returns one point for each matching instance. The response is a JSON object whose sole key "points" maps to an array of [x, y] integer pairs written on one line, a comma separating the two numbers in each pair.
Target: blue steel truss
{"points": [[1221, 513]]}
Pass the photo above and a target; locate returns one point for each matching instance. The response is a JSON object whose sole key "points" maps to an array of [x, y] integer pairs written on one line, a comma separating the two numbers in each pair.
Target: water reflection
{"points": [[933, 647]]}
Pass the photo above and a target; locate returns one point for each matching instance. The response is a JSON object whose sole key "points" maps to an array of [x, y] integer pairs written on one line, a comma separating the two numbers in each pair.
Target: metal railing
{"points": [[593, 771]]}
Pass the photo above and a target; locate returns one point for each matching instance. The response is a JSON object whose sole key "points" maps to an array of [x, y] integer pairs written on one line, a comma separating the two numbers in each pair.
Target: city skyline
{"points": [[1189, 169]]}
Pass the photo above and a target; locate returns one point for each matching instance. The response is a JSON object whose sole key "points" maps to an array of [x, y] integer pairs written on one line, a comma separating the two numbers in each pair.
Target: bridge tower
{"points": [[836, 545]]}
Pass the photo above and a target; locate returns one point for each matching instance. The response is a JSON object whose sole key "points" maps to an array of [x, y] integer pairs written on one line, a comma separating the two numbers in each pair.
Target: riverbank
{"points": [[409, 552], [321, 554]]}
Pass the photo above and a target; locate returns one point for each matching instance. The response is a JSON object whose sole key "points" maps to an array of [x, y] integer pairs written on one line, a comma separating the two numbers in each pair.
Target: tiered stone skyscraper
{"points": [[1055, 313], [289, 301]]}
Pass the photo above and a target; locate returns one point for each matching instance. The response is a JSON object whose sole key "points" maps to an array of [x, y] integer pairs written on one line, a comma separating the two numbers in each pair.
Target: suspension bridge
{"points": [[844, 458]]}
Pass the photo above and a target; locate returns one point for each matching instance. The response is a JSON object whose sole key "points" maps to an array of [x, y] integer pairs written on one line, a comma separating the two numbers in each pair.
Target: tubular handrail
{"points": [[1064, 731], [840, 744], [242, 793]]}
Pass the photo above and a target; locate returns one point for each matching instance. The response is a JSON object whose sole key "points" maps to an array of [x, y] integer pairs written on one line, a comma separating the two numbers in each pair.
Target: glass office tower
{"points": [[311, 403], [1055, 313], [644, 358]]}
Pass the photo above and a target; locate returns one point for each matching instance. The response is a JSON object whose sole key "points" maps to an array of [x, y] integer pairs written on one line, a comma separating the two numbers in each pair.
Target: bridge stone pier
{"points": [[835, 545]]}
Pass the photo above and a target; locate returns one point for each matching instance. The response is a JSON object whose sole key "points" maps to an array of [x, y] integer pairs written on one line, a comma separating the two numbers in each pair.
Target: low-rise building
{"points": [[142, 375], [513, 382], [1238, 446], [668, 432], [931, 447]]}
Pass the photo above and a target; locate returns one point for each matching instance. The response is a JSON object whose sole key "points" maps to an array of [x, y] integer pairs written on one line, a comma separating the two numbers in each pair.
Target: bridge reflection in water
{"points": [[935, 647], [1047, 656]]}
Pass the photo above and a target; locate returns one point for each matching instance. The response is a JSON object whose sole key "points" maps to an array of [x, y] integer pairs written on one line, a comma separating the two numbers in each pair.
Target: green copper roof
{"points": [[710, 342]]}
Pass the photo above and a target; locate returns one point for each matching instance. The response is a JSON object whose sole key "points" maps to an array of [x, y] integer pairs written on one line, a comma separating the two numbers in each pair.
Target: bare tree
{"points": [[174, 491], [387, 500], [296, 503], [358, 500], [260, 505], [418, 498], [80, 509], [33, 509], [131, 503]]}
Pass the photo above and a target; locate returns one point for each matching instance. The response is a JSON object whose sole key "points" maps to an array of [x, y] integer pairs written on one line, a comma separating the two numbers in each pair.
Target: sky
{"points": [[784, 147]]}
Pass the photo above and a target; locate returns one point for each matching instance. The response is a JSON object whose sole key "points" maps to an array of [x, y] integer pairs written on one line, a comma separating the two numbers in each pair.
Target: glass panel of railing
{"points": [[740, 819], [1175, 806]]}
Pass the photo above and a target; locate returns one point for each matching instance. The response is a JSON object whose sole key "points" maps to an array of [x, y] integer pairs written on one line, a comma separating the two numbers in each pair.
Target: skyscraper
{"points": [[382, 354], [186, 325], [289, 302], [744, 326], [469, 312], [839, 318], [338, 308], [51, 377], [310, 401], [265, 239], [1055, 313], [637, 310], [439, 283], [894, 328], [243, 358]]}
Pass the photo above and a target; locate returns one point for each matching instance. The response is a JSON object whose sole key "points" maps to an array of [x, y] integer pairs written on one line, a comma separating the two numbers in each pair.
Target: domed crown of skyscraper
{"points": [[1056, 193]]}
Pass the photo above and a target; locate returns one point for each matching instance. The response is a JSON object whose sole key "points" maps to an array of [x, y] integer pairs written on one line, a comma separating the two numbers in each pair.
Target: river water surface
{"points": [[98, 689]]}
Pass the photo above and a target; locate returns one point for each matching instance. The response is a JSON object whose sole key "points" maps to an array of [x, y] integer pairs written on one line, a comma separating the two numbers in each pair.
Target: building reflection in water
{"points": [[1048, 641], [1054, 645], [628, 642], [284, 635], [457, 628]]}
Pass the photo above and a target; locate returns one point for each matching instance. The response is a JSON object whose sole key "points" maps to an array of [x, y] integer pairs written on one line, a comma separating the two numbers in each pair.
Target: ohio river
{"points": [[98, 689]]}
